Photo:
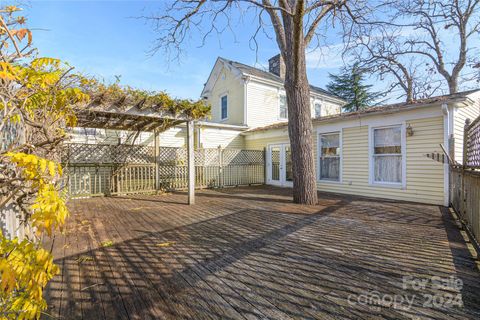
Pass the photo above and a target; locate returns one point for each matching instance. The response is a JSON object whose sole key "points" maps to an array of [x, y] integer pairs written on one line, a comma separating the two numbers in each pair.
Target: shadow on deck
{"points": [[249, 253]]}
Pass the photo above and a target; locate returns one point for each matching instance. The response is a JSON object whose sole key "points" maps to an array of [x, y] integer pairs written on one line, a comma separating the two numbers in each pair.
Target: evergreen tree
{"points": [[349, 85]]}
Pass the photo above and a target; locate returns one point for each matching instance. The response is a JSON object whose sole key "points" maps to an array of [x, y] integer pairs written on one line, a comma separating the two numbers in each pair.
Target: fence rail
{"points": [[108, 174], [465, 198]]}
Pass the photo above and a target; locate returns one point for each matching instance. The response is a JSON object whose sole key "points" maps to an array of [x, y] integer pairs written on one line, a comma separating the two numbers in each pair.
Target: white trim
{"points": [[403, 145], [447, 131], [340, 173], [246, 80], [282, 182]]}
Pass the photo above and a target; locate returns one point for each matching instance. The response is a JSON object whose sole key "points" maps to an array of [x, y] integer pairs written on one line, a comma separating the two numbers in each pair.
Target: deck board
{"points": [[250, 253]]}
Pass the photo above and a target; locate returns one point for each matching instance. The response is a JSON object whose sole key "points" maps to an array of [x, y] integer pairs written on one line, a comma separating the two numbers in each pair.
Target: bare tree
{"points": [[383, 55], [439, 19], [417, 41], [295, 24]]}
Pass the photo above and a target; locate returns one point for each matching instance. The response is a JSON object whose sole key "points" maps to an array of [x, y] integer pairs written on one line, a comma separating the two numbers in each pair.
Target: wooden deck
{"points": [[249, 253]]}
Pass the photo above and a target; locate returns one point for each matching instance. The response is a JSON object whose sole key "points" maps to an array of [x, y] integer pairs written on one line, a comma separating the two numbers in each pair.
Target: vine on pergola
{"points": [[39, 98]]}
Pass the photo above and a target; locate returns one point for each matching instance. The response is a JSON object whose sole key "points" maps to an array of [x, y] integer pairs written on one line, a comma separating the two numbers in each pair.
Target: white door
{"points": [[279, 165]]}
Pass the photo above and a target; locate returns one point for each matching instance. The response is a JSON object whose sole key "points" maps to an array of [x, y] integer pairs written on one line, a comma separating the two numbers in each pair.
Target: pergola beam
{"points": [[138, 118]]}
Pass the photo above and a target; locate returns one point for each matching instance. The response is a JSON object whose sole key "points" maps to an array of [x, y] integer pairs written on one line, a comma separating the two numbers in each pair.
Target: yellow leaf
{"points": [[165, 244]]}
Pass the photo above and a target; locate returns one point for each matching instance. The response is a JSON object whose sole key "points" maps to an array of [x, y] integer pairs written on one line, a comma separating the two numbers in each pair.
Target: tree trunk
{"points": [[300, 131], [453, 85]]}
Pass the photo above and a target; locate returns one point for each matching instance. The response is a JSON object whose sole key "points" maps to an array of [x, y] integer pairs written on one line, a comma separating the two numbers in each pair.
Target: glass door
{"points": [[288, 166], [275, 165], [279, 165]]}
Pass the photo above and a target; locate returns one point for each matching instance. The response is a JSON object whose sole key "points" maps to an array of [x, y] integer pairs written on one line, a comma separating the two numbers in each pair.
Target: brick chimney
{"points": [[277, 66]]}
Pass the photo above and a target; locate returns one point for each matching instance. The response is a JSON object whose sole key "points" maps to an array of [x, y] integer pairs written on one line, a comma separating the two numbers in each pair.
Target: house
{"points": [[378, 152], [243, 95], [381, 151]]}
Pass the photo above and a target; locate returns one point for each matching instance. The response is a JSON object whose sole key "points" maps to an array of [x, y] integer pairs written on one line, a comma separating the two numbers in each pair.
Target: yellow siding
{"points": [[424, 176], [228, 84], [260, 144], [461, 114]]}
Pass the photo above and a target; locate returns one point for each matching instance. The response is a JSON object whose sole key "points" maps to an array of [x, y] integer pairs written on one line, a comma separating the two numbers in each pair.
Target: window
{"points": [[330, 156], [224, 107], [318, 109], [283, 107], [387, 155]]}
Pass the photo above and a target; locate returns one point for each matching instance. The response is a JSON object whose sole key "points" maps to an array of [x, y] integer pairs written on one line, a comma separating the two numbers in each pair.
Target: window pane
{"points": [[388, 150], [318, 110], [224, 107], [386, 138], [388, 168], [330, 168], [288, 164], [283, 107], [330, 144], [330, 157], [276, 163]]}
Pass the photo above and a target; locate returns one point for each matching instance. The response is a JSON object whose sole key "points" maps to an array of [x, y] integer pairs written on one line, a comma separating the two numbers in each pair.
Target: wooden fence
{"points": [[465, 182], [465, 197], [97, 170]]}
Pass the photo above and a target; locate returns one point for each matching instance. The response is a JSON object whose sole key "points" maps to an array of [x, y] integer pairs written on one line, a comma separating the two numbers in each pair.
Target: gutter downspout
{"points": [[447, 132], [246, 79]]}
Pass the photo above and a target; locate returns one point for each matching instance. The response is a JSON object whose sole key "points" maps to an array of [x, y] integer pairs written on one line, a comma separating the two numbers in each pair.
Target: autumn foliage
{"points": [[39, 99]]}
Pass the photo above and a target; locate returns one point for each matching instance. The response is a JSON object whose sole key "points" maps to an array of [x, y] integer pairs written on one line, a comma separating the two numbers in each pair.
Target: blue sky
{"points": [[105, 39]]}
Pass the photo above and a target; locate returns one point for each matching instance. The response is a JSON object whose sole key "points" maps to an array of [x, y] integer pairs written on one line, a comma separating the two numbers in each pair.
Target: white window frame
{"points": [[319, 152], [221, 114], [403, 145], [279, 106], [315, 102]]}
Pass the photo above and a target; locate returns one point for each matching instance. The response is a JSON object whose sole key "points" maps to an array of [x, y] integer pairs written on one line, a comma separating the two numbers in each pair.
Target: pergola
{"points": [[138, 118]]}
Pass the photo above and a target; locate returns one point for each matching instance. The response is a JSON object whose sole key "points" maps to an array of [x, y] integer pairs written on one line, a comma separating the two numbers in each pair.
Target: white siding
{"points": [[264, 107], [263, 104], [328, 108], [215, 137]]}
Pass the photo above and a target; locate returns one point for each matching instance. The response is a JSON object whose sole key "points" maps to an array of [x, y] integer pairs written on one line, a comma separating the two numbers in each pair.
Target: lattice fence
{"points": [[104, 153], [472, 144], [214, 168], [95, 170]]}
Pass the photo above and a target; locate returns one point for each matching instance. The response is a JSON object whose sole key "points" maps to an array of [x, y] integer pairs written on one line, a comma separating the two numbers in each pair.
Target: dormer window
{"points": [[318, 109], [283, 107], [224, 107]]}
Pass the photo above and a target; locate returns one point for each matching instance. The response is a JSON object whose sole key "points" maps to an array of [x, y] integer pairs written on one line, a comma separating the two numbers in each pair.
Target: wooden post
{"points": [[265, 165], [464, 162], [191, 162], [220, 167], [156, 152]]}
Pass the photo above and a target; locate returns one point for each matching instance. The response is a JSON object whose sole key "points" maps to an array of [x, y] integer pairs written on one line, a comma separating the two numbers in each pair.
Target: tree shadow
{"points": [[256, 261]]}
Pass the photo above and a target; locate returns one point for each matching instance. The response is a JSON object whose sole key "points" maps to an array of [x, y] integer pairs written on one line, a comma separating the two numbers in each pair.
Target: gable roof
{"points": [[259, 73], [458, 97]]}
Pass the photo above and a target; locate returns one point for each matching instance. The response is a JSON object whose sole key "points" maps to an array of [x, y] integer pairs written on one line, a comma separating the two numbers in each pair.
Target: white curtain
{"points": [[388, 155]]}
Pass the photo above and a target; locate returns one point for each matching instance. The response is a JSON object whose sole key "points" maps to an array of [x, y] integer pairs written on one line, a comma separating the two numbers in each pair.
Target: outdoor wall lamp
{"points": [[409, 130]]}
